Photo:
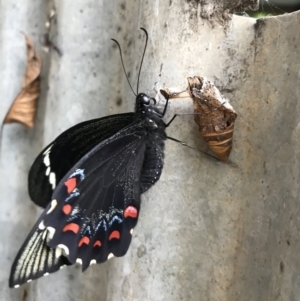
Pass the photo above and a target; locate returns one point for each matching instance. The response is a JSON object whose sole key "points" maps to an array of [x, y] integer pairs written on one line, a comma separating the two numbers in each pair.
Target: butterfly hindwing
{"points": [[66, 150], [93, 209]]}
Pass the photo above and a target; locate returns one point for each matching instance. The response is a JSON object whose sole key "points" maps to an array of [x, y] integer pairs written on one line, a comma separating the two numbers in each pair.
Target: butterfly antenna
{"points": [[138, 80], [123, 65]]}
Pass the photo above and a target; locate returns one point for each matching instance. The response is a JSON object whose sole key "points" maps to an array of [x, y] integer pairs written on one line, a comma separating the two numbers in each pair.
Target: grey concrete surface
{"points": [[207, 230]]}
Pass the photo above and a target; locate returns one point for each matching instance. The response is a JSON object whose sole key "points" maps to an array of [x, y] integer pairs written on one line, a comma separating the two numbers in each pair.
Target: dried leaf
{"points": [[216, 123], [24, 107]]}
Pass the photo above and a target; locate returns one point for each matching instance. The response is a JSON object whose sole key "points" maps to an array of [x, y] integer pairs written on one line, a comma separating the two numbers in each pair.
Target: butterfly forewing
{"points": [[66, 150]]}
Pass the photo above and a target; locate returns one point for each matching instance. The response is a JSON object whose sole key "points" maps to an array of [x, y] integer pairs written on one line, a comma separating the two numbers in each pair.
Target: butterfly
{"points": [[89, 181]]}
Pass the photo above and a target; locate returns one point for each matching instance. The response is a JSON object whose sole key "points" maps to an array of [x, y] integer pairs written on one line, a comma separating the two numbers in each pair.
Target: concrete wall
{"points": [[207, 230]]}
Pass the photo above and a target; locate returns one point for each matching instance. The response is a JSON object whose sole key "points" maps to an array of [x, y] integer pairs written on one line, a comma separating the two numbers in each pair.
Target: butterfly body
{"points": [[89, 180]]}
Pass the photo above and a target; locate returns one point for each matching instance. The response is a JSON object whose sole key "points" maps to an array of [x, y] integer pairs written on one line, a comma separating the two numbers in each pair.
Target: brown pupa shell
{"points": [[216, 121]]}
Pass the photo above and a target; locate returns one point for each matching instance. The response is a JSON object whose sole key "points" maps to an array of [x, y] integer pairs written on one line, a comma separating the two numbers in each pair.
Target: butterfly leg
{"points": [[167, 94], [167, 97], [196, 149], [184, 114]]}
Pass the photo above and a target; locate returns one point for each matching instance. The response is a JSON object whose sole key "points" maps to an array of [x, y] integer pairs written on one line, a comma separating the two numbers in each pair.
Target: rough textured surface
{"points": [[237, 5], [207, 230]]}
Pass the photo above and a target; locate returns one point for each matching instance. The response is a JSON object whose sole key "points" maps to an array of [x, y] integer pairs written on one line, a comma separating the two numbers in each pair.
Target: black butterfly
{"points": [[90, 180]]}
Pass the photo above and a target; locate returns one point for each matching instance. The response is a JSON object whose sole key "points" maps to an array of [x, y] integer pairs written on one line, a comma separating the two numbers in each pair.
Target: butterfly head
{"points": [[143, 102]]}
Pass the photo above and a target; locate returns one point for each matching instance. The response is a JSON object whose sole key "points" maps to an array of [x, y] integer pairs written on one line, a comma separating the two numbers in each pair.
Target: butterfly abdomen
{"points": [[152, 165], [154, 153]]}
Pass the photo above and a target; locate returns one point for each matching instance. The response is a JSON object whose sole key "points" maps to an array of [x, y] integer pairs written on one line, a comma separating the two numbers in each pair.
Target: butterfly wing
{"points": [[66, 150], [93, 209], [35, 259]]}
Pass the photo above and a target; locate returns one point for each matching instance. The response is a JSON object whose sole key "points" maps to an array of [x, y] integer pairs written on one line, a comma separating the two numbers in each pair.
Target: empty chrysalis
{"points": [[214, 115]]}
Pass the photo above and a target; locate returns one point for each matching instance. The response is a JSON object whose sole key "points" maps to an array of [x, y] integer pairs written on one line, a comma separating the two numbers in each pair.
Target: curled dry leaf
{"points": [[24, 107], [216, 121]]}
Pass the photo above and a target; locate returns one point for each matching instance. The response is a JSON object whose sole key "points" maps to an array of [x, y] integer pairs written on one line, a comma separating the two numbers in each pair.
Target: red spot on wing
{"points": [[130, 211], [71, 227], [97, 243], [67, 209], [114, 234], [71, 184], [84, 240]]}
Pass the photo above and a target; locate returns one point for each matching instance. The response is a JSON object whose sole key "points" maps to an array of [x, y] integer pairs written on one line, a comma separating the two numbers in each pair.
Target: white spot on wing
{"points": [[51, 231], [17, 285], [93, 261], [53, 205], [61, 267], [29, 280], [131, 231], [58, 252], [64, 248], [46, 274], [48, 171], [110, 255], [42, 226], [47, 160], [52, 179], [79, 260]]}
